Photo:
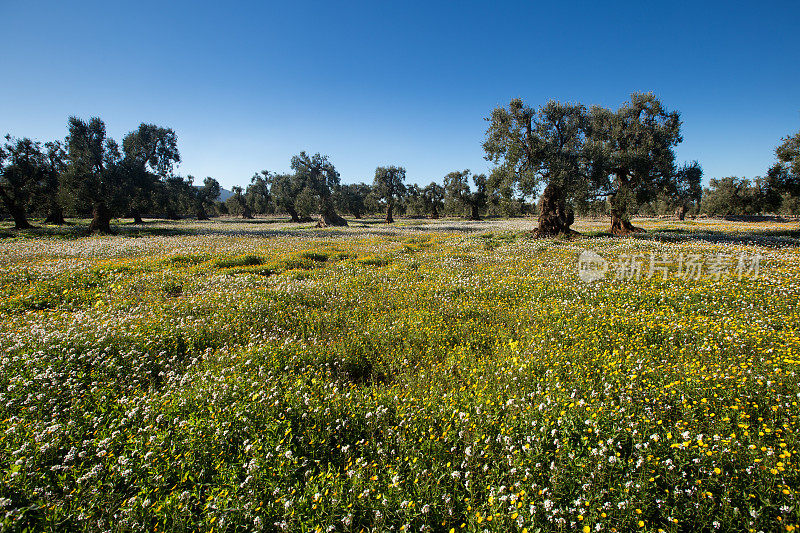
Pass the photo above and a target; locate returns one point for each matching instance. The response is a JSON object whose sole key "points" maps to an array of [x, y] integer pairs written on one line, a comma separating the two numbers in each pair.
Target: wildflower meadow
{"points": [[430, 376]]}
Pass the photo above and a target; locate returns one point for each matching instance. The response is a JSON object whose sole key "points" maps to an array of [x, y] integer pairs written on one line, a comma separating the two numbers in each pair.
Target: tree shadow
{"points": [[770, 238]]}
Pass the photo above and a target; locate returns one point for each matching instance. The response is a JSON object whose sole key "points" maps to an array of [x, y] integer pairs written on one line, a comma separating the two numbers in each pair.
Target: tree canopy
{"points": [[624, 155], [473, 198], [544, 146], [388, 186], [93, 174], [631, 153], [320, 177]]}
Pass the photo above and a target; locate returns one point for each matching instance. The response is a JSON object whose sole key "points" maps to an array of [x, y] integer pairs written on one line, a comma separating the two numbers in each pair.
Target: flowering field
{"points": [[444, 376]]}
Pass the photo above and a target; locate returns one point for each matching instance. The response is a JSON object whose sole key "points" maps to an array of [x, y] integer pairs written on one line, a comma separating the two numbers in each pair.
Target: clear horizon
{"points": [[409, 84]]}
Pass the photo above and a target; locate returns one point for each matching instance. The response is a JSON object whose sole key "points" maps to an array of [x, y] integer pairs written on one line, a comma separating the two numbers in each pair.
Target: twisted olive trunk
{"points": [[293, 213], [55, 216], [101, 219], [16, 211], [328, 216], [18, 214], [618, 208], [474, 212], [555, 218]]}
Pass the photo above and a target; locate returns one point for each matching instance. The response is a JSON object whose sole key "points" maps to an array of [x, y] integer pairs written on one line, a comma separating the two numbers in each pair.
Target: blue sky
{"points": [[247, 85]]}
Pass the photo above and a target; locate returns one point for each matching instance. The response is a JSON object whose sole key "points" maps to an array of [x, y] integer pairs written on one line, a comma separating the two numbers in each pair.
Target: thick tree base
{"points": [[555, 222], [101, 220], [331, 219], [555, 217], [100, 227], [20, 220], [55, 218], [474, 213], [622, 227]]}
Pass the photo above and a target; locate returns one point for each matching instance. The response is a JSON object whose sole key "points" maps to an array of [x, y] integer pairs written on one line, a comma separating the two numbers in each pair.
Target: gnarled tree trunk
{"points": [[18, 214], [16, 211], [136, 216], [55, 216], [620, 222], [389, 218], [680, 212], [618, 207], [293, 214], [101, 219], [328, 216], [434, 211], [474, 212], [621, 226], [555, 218]]}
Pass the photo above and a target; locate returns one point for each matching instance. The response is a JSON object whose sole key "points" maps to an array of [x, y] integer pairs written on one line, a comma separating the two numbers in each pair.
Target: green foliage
{"points": [[237, 204], [471, 200], [284, 190], [731, 196], [789, 158], [389, 187], [257, 195], [22, 170], [632, 152], [352, 198], [320, 178], [433, 195], [578, 155]]}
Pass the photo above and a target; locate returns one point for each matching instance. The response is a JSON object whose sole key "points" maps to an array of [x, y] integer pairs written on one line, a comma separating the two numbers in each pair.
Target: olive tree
{"points": [[472, 198], [22, 165], [632, 156], [389, 187], [93, 177], [150, 154], [541, 148], [319, 176], [433, 199]]}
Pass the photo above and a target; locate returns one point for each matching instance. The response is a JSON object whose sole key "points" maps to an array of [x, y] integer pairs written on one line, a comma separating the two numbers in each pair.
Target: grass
{"points": [[414, 380]]}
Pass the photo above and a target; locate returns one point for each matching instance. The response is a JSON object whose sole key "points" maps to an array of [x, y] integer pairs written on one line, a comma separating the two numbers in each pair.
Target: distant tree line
{"points": [[90, 174], [777, 192], [569, 158], [388, 196]]}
